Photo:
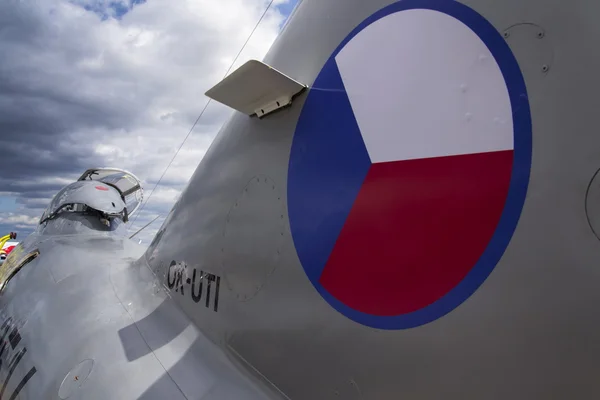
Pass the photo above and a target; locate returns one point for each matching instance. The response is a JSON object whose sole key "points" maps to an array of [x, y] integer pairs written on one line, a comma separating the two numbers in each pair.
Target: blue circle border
{"points": [[519, 179]]}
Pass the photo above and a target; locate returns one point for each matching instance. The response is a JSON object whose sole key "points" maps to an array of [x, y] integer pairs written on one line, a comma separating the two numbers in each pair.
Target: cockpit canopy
{"points": [[125, 182], [108, 192]]}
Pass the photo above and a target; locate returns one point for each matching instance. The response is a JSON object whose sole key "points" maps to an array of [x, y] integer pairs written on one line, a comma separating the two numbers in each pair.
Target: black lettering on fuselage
{"points": [[171, 284], [12, 366], [14, 339], [213, 284], [177, 274], [5, 324], [196, 297], [217, 293], [23, 382], [179, 283], [3, 340]]}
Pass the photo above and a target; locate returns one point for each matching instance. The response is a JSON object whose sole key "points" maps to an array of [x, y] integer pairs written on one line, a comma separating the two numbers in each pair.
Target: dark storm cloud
{"points": [[45, 112], [88, 83]]}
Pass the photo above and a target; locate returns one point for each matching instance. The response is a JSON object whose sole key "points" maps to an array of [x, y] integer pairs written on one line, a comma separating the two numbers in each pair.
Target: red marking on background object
{"points": [[102, 188], [416, 229], [8, 249]]}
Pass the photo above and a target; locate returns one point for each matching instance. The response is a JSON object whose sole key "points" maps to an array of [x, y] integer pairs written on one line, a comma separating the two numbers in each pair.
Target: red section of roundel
{"points": [[416, 229]]}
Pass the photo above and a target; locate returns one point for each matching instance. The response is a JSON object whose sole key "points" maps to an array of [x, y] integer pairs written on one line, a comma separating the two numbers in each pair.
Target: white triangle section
{"points": [[422, 84]]}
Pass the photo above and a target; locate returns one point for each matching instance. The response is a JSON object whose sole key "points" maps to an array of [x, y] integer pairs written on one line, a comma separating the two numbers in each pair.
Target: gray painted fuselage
{"points": [[220, 307]]}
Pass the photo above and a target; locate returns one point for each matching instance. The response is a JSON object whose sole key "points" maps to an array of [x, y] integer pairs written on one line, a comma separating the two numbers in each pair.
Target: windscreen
{"points": [[125, 182]]}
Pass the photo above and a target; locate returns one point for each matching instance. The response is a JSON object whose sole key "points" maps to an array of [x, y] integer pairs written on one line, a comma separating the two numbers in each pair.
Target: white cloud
{"points": [[83, 91], [20, 219]]}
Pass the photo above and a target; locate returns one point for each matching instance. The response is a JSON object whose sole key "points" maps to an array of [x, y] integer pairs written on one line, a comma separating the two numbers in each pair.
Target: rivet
{"points": [[545, 68], [540, 35], [506, 34]]}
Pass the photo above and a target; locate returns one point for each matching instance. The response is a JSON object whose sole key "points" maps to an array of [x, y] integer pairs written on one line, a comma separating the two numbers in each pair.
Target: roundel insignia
{"points": [[410, 164]]}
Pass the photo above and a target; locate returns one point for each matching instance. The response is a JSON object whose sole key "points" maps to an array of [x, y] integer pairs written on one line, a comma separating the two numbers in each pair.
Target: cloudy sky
{"points": [[87, 83]]}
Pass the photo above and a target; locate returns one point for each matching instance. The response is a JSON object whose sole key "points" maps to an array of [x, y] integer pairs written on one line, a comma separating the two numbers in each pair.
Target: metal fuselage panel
{"points": [[85, 320], [527, 332], [227, 302]]}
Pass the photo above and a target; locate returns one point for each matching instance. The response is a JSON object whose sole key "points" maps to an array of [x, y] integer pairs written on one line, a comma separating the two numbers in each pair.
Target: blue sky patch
{"points": [[287, 8], [115, 9], [8, 203]]}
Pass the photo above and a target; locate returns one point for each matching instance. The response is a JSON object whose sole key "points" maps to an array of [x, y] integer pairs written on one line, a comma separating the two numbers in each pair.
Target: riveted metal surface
{"points": [[592, 204], [533, 47], [520, 335], [248, 261], [75, 379]]}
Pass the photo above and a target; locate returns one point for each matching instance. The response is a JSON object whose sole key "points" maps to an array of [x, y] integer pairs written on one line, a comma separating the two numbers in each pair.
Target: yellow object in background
{"points": [[6, 238]]}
